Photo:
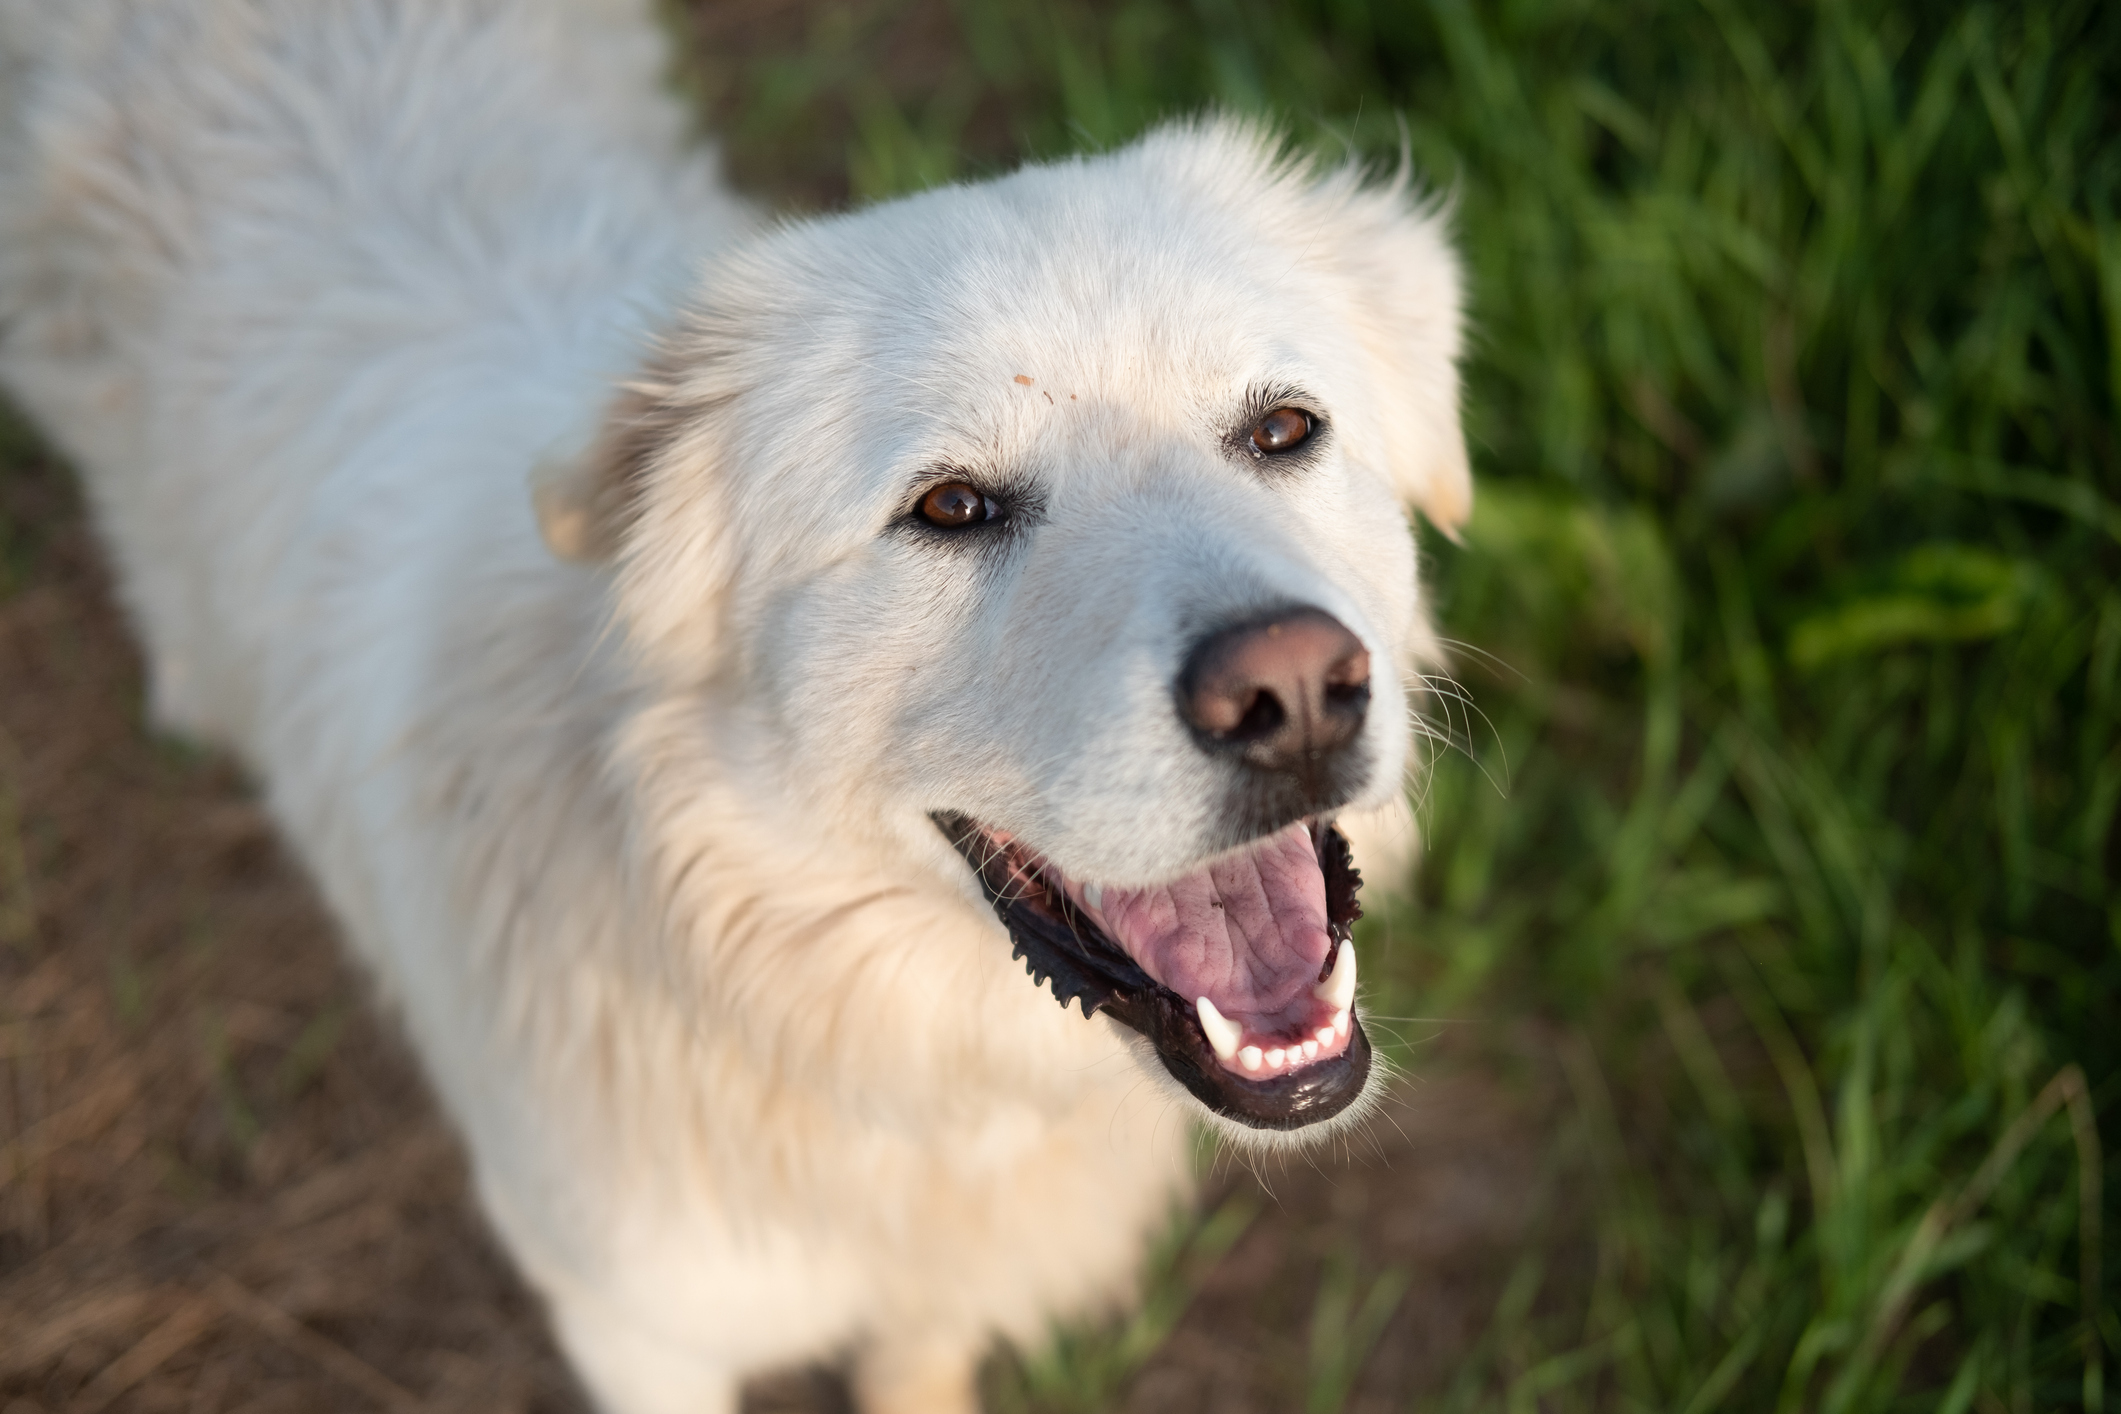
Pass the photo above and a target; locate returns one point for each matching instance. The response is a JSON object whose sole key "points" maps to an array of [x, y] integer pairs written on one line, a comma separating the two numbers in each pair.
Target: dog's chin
{"points": [[1290, 1055], [1326, 1089]]}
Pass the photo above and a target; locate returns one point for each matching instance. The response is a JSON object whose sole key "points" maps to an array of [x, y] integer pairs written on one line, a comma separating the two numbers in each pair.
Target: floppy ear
{"points": [[648, 497], [583, 496], [1407, 307]]}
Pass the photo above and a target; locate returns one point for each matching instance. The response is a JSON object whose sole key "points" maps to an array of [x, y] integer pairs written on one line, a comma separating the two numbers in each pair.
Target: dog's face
{"points": [[1063, 513]]}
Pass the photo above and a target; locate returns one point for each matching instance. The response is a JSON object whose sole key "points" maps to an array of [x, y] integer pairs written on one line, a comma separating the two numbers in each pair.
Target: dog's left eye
{"points": [[954, 504], [1280, 430]]}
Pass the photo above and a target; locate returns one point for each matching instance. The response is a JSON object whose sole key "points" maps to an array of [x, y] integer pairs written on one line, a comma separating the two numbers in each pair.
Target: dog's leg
{"points": [[630, 1371], [918, 1376]]}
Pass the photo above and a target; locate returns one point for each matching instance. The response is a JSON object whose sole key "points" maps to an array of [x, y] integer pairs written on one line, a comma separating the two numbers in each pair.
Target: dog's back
{"points": [[211, 212]]}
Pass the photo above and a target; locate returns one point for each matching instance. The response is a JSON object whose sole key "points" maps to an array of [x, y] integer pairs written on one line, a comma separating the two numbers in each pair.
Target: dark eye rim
{"points": [[1011, 507], [1262, 404], [992, 506], [1310, 429]]}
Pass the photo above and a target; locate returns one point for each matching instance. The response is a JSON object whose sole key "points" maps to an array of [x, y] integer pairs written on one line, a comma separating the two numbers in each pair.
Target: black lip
{"points": [[1062, 947]]}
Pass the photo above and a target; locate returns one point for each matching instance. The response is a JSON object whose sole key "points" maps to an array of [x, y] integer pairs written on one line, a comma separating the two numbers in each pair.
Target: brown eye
{"points": [[953, 504], [1280, 430]]}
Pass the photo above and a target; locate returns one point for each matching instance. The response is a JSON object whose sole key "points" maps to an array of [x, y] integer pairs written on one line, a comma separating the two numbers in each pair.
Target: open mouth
{"points": [[1241, 974]]}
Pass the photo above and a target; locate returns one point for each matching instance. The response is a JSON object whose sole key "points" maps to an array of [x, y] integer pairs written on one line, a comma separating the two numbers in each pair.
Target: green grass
{"points": [[1798, 554]]}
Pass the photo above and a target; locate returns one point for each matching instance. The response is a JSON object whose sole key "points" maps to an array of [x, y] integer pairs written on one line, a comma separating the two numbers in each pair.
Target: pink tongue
{"points": [[1248, 932]]}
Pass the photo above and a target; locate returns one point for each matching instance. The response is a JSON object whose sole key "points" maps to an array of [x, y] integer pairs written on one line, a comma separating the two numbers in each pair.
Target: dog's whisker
{"points": [[1501, 664]]}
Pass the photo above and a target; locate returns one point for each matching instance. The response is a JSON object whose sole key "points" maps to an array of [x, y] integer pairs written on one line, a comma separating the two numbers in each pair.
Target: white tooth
{"points": [[1340, 1023], [1249, 1058], [1094, 895], [1310, 1050], [1338, 990], [1325, 1036], [1275, 1057], [1223, 1033]]}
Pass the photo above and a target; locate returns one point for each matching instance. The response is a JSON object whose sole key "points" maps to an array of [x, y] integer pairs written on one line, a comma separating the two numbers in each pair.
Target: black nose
{"points": [[1284, 693]]}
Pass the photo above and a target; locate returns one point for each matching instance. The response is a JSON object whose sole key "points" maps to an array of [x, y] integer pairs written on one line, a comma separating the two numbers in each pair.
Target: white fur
{"points": [[640, 851]]}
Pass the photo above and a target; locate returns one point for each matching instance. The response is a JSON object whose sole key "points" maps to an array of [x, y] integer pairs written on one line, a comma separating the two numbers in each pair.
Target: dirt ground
{"points": [[223, 1185]]}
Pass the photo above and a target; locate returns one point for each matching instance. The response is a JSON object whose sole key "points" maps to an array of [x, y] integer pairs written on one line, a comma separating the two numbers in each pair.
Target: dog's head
{"points": [[1064, 513]]}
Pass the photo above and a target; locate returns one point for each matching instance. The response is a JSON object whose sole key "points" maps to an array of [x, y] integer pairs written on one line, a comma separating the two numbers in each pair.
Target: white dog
{"points": [[1014, 574]]}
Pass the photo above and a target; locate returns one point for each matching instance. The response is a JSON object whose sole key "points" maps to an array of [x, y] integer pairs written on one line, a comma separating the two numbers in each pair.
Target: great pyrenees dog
{"points": [[834, 736]]}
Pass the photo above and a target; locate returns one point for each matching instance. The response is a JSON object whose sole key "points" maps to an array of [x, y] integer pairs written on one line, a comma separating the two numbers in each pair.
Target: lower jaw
{"points": [[1058, 945], [1294, 1100]]}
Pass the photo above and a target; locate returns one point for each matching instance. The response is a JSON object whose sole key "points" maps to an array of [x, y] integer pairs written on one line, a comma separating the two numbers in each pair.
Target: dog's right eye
{"points": [[954, 504], [1280, 430]]}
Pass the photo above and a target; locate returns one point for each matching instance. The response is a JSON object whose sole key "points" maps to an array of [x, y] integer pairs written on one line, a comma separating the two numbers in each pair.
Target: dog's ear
{"points": [[584, 495], [1407, 307], [647, 498]]}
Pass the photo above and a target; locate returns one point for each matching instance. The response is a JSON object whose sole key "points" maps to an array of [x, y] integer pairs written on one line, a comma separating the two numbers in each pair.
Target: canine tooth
{"points": [[1340, 1023], [1094, 895], [1276, 1056], [1310, 1050], [1223, 1033], [1249, 1058], [1338, 990]]}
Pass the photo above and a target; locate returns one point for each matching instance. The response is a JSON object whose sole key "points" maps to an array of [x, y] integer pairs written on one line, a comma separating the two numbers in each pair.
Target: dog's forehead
{"points": [[1108, 286], [989, 325]]}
